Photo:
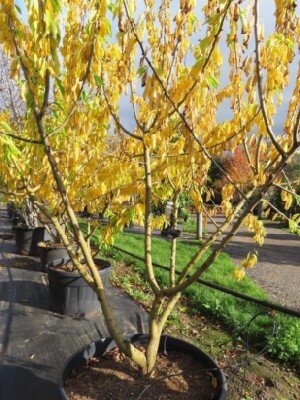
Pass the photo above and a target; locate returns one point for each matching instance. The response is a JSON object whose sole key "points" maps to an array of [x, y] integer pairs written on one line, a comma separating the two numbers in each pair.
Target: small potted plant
{"points": [[29, 231], [10, 209], [53, 249], [69, 293]]}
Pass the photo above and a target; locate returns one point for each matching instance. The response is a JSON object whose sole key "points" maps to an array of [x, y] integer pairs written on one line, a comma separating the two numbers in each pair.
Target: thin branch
{"points": [[172, 63], [259, 84], [207, 60], [91, 233], [296, 130], [140, 126], [287, 180], [278, 211], [84, 79], [46, 95], [9, 193], [285, 189], [117, 121], [248, 156], [21, 138], [173, 223], [209, 217], [258, 149], [148, 230], [175, 107], [237, 133]]}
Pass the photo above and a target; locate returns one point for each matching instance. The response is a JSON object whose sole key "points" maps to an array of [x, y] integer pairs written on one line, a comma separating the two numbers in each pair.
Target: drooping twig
{"points": [[259, 84]]}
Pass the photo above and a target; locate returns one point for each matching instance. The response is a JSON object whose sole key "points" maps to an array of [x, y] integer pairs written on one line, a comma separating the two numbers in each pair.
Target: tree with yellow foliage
{"points": [[75, 68]]}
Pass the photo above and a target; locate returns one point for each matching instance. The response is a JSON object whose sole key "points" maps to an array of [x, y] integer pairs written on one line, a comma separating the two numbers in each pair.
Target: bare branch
{"points": [[257, 157], [117, 121], [141, 127], [259, 84], [296, 131], [172, 62], [148, 230], [278, 211], [46, 95], [285, 189], [248, 156]]}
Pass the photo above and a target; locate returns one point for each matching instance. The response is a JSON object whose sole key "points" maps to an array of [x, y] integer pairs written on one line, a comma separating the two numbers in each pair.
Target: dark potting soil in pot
{"points": [[68, 266], [51, 245], [113, 376]]}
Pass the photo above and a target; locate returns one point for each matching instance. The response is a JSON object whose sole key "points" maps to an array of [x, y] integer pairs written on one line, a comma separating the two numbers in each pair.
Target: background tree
{"points": [[10, 98]]}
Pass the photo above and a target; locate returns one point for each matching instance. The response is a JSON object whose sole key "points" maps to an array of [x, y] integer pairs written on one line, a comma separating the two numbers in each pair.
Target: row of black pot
{"points": [[27, 239], [69, 294]]}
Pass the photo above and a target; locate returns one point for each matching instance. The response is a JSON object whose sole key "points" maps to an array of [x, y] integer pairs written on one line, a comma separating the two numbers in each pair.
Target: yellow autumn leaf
{"points": [[239, 273]]}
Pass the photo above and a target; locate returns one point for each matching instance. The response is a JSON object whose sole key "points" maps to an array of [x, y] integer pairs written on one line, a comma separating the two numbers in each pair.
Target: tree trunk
{"points": [[199, 231]]}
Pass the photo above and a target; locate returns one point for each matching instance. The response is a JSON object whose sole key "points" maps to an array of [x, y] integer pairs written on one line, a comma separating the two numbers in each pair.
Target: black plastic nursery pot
{"points": [[50, 252], [167, 344], [10, 209], [15, 220], [69, 294], [27, 240]]}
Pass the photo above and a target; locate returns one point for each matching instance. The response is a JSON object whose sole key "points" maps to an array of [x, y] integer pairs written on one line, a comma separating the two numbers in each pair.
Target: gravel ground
{"points": [[278, 267]]}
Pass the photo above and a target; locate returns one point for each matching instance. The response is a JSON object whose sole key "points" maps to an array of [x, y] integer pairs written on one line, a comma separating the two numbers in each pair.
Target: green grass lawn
{"points": [[234, 313], [190, 226], [221, 271]]}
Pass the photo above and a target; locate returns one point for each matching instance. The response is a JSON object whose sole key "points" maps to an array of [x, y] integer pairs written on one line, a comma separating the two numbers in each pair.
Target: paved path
{"points": [[278, 267], [36, 343]]}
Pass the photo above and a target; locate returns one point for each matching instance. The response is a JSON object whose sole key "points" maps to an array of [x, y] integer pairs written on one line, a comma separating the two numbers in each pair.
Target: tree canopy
{"points": [[78, 62]]}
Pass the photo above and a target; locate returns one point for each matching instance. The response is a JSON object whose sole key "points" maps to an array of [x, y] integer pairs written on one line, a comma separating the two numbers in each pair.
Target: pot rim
{"points": [[75, 274], [106, 344], [28, 228], [54, 244]]}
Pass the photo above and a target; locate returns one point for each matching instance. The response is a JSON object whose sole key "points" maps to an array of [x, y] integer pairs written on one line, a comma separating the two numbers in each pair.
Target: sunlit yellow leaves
{"points": [[95, 191], [175, 102], [197, 199], [285, 16], [250, 261], [217, 58], [228, 192], [4, 125], [247, 65], [287, 198], [159, 222], [150, 140], [239, 273], [257, 227], [226, 208], [260, 178]]}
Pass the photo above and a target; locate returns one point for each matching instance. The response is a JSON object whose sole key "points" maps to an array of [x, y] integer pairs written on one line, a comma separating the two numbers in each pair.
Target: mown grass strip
{"points": [[232, 312]]}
